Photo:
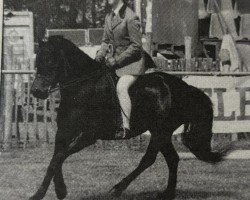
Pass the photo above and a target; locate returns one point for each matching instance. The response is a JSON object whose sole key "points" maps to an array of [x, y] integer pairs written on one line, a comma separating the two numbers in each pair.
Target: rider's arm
{"points": [[135, 47], [102, 52]]}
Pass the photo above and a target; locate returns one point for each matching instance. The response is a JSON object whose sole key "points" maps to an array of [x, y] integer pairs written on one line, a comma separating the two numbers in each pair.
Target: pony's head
{"points": [[57, 61], [47, 66]]}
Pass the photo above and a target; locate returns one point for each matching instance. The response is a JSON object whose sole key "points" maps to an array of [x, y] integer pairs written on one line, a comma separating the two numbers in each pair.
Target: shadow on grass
{"points": [[180, 194]]}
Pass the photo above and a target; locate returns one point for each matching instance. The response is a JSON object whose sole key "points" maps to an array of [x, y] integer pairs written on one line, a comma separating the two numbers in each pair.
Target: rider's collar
{"points": [[118, 8]]}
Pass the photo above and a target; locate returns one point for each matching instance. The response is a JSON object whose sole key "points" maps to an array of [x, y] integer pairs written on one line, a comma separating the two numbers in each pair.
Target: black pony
{"points": [[89, 111]]}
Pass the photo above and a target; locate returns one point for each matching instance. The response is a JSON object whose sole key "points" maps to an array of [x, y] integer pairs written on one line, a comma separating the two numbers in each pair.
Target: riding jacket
{"points": [[122, 31]]}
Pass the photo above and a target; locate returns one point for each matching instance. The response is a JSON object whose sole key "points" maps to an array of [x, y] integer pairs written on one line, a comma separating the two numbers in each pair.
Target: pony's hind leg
{"points": [[60, 187], [172, 159], [147, 160]]}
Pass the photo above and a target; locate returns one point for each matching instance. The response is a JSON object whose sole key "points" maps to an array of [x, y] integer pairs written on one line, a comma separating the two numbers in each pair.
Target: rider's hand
{"points": [[100, 59], [111, 63]]}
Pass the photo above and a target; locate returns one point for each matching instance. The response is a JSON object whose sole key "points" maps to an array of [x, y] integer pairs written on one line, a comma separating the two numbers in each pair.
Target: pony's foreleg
{"points": [[60, 154], [60, 187], [147, 160], [76, 145], [172, 159], [56, 161]]}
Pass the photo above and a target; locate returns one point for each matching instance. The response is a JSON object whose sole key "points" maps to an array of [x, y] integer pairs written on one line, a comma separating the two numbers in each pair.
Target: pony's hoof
{"points": [[39, 194], [35, 197], [115, 192], [61, 192]]}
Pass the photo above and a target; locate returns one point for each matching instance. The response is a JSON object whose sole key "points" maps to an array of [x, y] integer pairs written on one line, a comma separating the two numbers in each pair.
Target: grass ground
{"points": [[91, 173]]}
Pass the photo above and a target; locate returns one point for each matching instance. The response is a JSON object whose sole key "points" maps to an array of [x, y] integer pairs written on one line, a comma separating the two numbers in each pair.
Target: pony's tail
{"points": [[197, 138]]}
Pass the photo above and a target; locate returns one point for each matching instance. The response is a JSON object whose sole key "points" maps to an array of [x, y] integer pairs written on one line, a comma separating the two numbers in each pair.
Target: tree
{"points": [[93, 12], [62, 14]]}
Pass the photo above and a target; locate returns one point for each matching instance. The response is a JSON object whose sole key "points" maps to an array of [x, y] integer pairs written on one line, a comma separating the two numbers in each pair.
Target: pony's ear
{"points": [[42, 41]]}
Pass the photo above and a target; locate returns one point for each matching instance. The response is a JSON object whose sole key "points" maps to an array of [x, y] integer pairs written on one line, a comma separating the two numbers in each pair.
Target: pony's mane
{"points": [[73, 53], [69, 47]]}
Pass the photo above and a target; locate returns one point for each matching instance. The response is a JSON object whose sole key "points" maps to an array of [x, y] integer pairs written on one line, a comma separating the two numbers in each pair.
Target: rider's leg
{"points": [[122, 91]]}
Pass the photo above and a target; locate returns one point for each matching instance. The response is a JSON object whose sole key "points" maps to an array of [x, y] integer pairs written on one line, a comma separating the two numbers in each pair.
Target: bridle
{"points": [[81, 79]]}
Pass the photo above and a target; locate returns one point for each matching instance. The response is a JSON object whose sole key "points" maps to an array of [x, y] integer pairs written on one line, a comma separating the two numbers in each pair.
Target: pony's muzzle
{"points": [[38, 92]]}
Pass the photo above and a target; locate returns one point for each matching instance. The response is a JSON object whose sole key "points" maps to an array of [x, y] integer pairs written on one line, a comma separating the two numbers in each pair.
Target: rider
{"points": [[122, 32]]}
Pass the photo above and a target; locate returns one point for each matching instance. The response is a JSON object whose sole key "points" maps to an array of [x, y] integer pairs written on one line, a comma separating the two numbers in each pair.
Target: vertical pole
{"points": [[35, 123], [53, 113], [137, 4], [31, 47], [45, 115], [8, 100], [17, 87], [1, 67], [27, 101], [1, 36], [28, 109], [148, 28], [188, 52]]}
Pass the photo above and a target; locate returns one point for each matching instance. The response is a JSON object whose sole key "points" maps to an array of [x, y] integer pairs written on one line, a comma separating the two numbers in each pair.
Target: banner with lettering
{"points": [[231, 100]]}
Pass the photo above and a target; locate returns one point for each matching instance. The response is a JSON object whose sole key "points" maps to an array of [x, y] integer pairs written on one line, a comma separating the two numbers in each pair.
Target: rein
{"points": [[75, 81], [85, 78]]}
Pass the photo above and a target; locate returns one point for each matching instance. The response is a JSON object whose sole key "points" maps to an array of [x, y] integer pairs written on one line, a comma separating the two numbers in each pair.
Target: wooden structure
{"points": [[173, 20], [80, 37]]}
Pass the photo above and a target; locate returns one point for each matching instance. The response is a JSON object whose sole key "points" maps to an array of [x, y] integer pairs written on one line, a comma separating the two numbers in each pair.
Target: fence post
{"points": [[8, 100], [148, 28], [188, 52], [1, 82], [45, 117], [137, 6]]}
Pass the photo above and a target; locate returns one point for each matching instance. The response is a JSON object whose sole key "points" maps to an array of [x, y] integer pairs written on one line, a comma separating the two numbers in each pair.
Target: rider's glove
{"points": [[111, 63], [100, 59]]}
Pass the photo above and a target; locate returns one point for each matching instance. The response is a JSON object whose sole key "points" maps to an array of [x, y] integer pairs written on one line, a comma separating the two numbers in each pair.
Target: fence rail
{"points": [[18, 71]]}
